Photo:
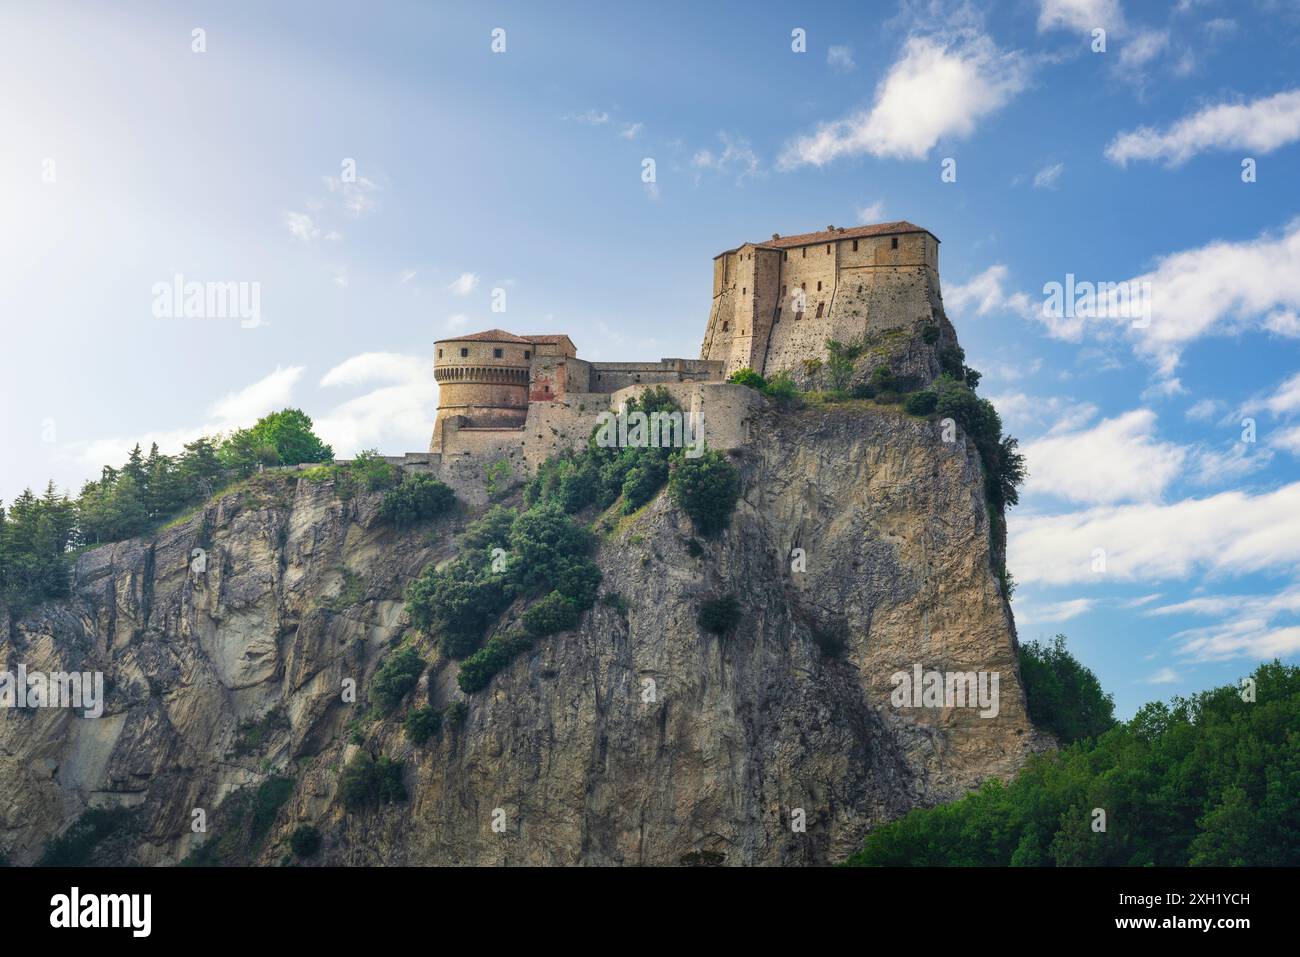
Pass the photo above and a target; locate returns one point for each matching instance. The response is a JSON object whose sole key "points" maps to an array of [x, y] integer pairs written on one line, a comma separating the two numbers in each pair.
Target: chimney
{"points": [[776, 235], [830, 229]]}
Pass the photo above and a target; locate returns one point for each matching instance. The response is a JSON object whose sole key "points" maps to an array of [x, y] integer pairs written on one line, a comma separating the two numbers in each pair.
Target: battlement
{"points": [[775, 303]]}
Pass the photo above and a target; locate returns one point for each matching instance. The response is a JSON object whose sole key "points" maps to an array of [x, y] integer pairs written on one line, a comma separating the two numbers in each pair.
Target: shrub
{"points": [[421, 724], [921, 403], [75, 846], [643, 482], [1062, 695], [930, 334], [419, 497], [457, 713], [490, 531], [305, 840], [862, 390], [839, 363], [1205, 780], [705, 488], [719, 615], [694, 548], [613, 599], [552, 614], [952, 361], [395, 677], [577, 579], [498, 478], [781, 388], [749, 377], [267, 801], [540, 538], [477, 670], [366, 783], [458, 601]]}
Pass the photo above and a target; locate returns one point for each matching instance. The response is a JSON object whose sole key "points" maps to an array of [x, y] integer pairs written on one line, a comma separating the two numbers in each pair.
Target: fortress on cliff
{"points": [[522, 398]]}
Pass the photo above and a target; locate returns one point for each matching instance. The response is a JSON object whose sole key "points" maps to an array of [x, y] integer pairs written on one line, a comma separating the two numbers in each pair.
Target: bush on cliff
{"points": [[719, 616], [366, 783], [705, 488], [1208, 780], [1062, 695], [477, 670], [421, 724], [458, 601], [395, 677], [418, 498]]}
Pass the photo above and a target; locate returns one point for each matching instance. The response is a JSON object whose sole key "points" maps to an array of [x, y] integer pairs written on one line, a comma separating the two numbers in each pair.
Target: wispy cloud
{"points": [[464, 284], [1260, 126], [940, 87], [840, 59]]}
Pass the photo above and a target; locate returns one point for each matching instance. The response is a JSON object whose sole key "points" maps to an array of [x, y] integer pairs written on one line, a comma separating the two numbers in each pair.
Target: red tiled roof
{"points": [[547, 340], [490, 335], [842, 232]]}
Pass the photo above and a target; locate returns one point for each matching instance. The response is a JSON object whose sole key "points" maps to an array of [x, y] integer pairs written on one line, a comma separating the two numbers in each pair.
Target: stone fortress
{"points": [[775, 303]]}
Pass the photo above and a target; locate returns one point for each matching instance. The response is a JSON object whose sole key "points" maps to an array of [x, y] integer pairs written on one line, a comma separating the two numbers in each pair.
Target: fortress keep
{"points": [[523, 398], [775, 303]]}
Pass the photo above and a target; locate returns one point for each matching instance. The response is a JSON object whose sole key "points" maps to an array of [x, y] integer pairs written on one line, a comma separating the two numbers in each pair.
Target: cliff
{"points": [[221, 681]]}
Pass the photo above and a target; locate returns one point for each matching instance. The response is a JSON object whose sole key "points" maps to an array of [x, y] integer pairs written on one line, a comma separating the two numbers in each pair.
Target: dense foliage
{"points": [[418, 498], [705, 488], [719, 615], [37, 532], [1209, 780], [366, 783], [421, 724], [1062, 695], [396, 677], [305, 840]]}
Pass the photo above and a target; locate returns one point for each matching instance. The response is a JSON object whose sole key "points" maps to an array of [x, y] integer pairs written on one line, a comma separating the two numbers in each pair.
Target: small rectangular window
{"points": [[439, 353], [804, 252], [496, 353], [724, 326], [819, 285], [528, 354], [893, 243], [464, 353], [855, 245], [828, 249]]}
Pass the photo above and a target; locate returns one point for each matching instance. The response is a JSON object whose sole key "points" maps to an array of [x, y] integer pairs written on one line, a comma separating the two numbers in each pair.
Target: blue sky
{"points": [[129, 158]]}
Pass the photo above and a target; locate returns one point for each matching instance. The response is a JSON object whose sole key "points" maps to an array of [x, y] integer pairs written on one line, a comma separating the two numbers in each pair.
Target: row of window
{"points": [[893, 244], [496, 353]]}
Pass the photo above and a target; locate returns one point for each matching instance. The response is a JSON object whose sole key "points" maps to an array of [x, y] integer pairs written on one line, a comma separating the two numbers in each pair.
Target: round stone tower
{"points": [[483, 379]]}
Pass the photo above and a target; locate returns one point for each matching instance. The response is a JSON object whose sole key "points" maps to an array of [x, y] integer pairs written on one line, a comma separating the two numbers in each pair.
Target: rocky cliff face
{"points": [[636, 738]]}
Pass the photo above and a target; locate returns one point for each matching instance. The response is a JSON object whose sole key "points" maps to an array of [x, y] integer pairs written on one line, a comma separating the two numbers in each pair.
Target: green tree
{"points": [[705, 488], [1063, 696]]}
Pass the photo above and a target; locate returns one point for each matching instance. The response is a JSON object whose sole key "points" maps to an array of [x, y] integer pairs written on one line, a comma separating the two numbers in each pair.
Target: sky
{"points": [[367, 178]]}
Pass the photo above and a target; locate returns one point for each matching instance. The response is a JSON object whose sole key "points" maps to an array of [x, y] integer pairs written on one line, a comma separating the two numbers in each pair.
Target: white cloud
{"points": [[589, 117], [1286, 398], [1046, 177], [1052, 612], [1249, 625], [1221, 288], [1209, 467], [1142, 47], [406, 276], [1228, 533], [1116, 460], [872, 213], [457, 321], [232, 411], [938, 88], [1288, 440], [631, 131], [736, 157], [1021, 412], [985, 294], [1260, 126], [1204, 410], [355, 195], [1081, 16], [301, 226], [1164, 676], [840, 59], [464, 284], [395, 416]]}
